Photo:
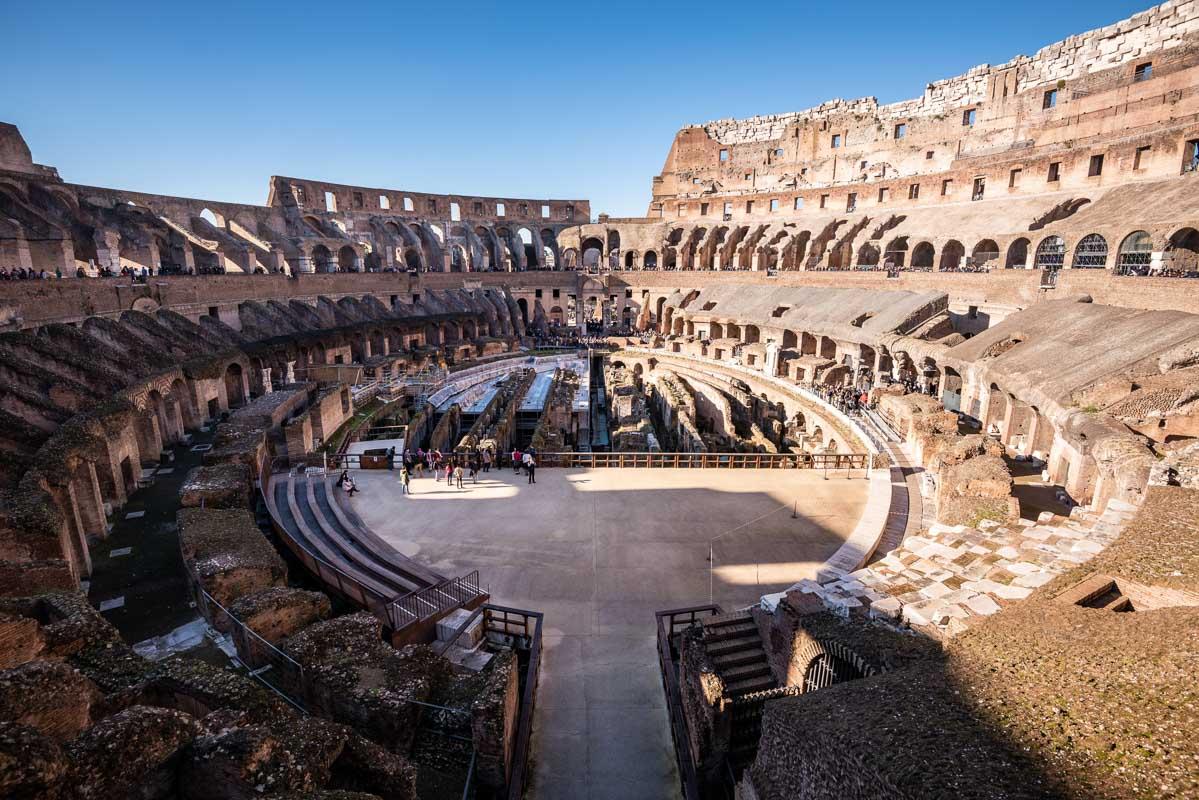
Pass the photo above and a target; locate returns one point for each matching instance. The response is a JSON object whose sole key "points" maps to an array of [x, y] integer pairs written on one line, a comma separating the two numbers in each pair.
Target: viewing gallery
{"points": [[864, 465]]}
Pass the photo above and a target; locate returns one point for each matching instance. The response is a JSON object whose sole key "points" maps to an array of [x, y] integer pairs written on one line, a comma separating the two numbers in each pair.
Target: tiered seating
{"points": [[309, 511]]}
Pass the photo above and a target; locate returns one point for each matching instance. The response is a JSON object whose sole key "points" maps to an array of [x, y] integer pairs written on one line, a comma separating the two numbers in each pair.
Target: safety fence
{"points": [[433, 601], [706, 460]]}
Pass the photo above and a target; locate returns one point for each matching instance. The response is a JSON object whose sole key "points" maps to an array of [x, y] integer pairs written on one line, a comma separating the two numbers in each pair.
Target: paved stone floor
{"points": [[599, 551]]}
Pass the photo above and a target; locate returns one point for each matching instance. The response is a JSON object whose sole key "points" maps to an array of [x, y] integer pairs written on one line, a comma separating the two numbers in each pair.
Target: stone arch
{"points": [[322, 259], [984, 254], [347, 259], [1182, 251], [630, 259], [1017, 254], [1136, 254], [951, 256], [868, 255], [650, 261], [751, 334], [923, 255], [824, 663], [183, 402], [1051, 253], [896, 252], [592, 249], [1090, 252]]}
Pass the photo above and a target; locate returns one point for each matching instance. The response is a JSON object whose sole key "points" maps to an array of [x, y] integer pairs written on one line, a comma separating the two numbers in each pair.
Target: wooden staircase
{"points": [[735, 648]]}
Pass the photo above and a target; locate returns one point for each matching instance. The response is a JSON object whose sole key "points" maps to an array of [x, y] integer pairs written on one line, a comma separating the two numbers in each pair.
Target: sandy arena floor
{"points": [[599, 551]]}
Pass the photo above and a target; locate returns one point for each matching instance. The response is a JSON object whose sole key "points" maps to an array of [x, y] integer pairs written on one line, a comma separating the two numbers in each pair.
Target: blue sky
{"points": [[562, 100]]}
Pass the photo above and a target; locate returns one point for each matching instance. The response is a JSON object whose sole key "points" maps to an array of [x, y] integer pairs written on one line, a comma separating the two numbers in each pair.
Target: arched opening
{"points": [[322, 259], [346, 259], [1090, 252], [790, 340], [951, 256], [1182, 253], [1051, 253], [651, 260], [922, 256], [868, 256], [548, 258], [828, 669], [1136, 253], [234, 386], [613, 241], [556, 315], [896, 253], [984, 255], [531, 251], [751, 334], [1017, 254], [570, 258], [211, 218], [592, 248], [630, 259], [412, 258], [523, 304]]}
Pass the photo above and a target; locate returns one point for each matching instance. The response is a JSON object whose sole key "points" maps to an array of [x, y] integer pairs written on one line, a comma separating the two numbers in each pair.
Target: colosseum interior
{"points": [[262, 533]]}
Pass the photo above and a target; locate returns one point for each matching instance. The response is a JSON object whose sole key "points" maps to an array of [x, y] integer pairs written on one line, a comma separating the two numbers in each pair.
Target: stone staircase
{"points": [[941, 578], [735, 648]]}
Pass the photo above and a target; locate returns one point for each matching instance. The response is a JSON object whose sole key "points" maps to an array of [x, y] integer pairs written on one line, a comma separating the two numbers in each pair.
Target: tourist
{"points": [[405, 480], [530, 469], [474, 470], [458, 476], [347, 485], [515, 460], [487, 460], [449, 471]]}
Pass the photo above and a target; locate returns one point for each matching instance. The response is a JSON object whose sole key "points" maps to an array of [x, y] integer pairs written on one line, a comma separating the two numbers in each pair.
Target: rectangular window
{"points": [[682, 209], [863, 165], [778, 153], [928, 155], [774, 205], [851, 202], [478, 208], [884, 194], [695, 181], [499, 209], [455, 212], [724, 155], [1014, 178], [408, 204], [568, 212], [836, 140], [545, 212], [432, 204], [1143, 72], [824, 201], [214, 311], [537, 294], [946, 187], [1095, 167], [556, 293], [968, 117], [1055, 172], [980, 186], [384, 202], [524, 209], [749, 176], [798, 203], [300, 196], [330, 201], [914, 191], [703, 209], [749, 206], [901, 130], [1138, 160], [1191, 164], [728, 210], [1050, 99], [357, 199]]}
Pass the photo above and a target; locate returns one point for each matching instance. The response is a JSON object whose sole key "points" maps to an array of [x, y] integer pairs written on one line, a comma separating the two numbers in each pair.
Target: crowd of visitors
{"points": [[458, 467]]}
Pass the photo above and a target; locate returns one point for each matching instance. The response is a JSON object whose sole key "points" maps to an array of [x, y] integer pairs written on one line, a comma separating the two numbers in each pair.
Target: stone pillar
{"points": [[267, 388], [304, 264], [772, 358], [290, 376]]}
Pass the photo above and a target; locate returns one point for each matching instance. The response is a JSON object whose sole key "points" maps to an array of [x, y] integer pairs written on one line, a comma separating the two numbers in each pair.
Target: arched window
{"points": [[1051, 253], [1135, 253], [1090, 252]]}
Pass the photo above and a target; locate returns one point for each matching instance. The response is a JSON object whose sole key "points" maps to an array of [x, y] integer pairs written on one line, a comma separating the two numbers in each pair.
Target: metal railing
{"points": [[431, 601], [671, 623], [706, 460]]}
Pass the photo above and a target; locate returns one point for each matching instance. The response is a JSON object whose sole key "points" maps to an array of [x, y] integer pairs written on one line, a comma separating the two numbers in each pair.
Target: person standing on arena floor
{"points": [[405, 480], [487, 460], [531, 468], [458, 476], [515, 460]]}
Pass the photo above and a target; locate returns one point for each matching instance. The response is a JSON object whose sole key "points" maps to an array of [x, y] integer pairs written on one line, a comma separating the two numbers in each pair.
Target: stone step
{"points": [[749, 685], [740, 658], [729, 646], [737, 674]]}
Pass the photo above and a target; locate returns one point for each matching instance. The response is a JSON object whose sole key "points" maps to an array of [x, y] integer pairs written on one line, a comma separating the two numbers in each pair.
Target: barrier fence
{"points": [[706, 460], [432, 601]]}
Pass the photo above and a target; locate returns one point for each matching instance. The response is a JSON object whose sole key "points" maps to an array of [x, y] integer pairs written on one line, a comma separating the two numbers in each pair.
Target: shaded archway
{"points": [[1017, 254], [346, 258], [985, 254], [951, 256], [235, 394], [922, 256], [1182, 251], [651, 260], [322, 259]]}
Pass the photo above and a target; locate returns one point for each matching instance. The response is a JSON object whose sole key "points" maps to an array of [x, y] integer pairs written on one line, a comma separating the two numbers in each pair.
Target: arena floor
{"points": [[599, 551]]}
